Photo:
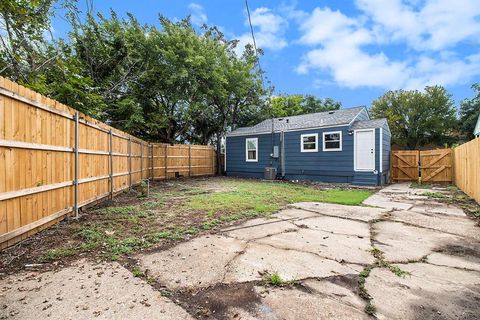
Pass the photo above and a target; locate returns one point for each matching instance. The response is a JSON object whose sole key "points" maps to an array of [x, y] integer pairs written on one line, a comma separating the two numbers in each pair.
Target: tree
{"points": [[417, 118], [469, 113], [23, 24], [291, 105], [168, 84]]}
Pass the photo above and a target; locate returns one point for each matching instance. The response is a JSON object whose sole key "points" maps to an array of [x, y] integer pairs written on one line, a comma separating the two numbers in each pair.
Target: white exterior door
{"points": [[364, 150]]}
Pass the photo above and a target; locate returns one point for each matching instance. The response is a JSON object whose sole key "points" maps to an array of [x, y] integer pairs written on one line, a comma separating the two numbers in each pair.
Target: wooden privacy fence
{"points": [[54, 160], [404, 165], [467, 168], [429, 165]]}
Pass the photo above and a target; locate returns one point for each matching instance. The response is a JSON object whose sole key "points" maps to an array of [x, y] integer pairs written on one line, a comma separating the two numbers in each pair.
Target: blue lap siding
{"points": [[326, 166]]}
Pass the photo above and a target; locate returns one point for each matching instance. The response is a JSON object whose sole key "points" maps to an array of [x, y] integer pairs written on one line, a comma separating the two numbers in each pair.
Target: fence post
{"points": [[213, 161], [153, 162], [130, 163], [111, 162], [189, 160], [76, 166], [166, 161], [141, 161]]}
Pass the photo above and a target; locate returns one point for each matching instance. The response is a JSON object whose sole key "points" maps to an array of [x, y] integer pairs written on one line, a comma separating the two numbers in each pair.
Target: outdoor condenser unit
{"points": [[270, 173]]}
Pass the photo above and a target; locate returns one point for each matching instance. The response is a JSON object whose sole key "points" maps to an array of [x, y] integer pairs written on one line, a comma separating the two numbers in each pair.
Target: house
{"points": [[343, 146], [476, 132]]}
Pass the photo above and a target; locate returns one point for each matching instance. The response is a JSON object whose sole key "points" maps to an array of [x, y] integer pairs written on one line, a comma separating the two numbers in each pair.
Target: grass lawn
{"points": [[264, 197], [175, 210]]}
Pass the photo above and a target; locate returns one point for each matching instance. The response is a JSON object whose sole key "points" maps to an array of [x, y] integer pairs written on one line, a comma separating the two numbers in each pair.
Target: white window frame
{"points": [[256, 150], [309, 135], [324, 141]]}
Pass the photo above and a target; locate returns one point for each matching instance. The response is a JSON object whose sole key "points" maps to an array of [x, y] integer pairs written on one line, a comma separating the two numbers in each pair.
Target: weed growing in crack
{"points": [[370, 309], [275, 280], [137, 272], [398, 272], [382, 263], [435, 195], [362, 277]]}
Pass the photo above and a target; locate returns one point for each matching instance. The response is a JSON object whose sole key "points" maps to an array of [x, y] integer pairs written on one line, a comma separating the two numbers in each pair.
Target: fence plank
{"points": [[37, 161], [467, 168], [404, 165], [436, 165]]}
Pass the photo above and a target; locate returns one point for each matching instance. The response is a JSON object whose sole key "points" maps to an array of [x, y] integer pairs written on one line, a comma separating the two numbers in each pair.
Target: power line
{"points": [[254, 40]]}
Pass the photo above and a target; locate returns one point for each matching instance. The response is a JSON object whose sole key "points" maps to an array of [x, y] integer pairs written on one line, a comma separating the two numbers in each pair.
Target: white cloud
{"points": [[349, 48], [269, 29], [198, 15], [437, 25]]}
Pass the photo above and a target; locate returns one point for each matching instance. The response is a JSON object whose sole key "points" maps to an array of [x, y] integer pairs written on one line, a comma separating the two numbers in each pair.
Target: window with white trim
{"points": [[251, 149], [332, 141], [309, 142]]}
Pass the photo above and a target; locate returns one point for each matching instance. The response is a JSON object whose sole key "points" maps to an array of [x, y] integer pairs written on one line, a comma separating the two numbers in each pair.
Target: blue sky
{"points": [[352, 51]]}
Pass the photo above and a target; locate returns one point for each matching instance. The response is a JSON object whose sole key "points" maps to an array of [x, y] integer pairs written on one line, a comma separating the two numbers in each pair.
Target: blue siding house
{"points": [[336, 146]]}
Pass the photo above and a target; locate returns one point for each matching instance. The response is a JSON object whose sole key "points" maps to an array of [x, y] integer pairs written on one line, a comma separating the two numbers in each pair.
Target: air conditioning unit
{"points": [[270, 173]]}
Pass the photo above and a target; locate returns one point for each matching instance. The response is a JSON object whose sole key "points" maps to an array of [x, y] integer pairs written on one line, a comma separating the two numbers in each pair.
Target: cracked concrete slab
{"points": [[431, 292], [321, 299], [335, 226], [84, 291], [341, 211], [383, 201], [461, 226], [289, 264], [199, 262], [295, 213], [437, 207], [402, 243], [338, 247], [465, 262], [260, 228]]}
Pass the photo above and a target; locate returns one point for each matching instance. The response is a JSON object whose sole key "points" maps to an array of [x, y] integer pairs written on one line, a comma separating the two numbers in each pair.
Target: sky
{"points": [[351, 51]]}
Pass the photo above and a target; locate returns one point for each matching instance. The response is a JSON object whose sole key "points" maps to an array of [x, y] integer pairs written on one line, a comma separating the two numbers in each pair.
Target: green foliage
{"points": [[168, 84], [57, 254], [292, 105], [436, 195], [136, 272], [418, 118], [153, 205], [381, 262], [22, 28], [273, 279], [469, 113]]}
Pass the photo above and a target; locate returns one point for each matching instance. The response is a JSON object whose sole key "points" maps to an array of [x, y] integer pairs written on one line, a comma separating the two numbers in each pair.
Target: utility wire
{"points": [[254, 41]]}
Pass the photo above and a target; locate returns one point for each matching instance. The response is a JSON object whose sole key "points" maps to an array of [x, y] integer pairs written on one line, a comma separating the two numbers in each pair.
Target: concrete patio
{"points": [[321, 248]]}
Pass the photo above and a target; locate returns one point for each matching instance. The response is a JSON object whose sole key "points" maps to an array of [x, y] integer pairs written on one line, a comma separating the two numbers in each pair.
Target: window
{"points": [[332, 141], [251, 146], [308, 142]]}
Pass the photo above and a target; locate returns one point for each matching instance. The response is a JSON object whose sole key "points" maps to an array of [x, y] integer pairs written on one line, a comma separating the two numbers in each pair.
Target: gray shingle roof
{"points": [[369, 124], [312, 120]]}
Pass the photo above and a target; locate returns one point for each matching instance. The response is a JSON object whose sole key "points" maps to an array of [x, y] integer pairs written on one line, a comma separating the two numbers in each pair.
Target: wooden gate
{"points": [[436, 165], [405, 165], [429, 165]]}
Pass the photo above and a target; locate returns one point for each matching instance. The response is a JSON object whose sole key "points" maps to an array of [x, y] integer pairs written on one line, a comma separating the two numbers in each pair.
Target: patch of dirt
{"points": [[167, 216], [463, 305], [215, 301], [464, 249], [348, 281]]}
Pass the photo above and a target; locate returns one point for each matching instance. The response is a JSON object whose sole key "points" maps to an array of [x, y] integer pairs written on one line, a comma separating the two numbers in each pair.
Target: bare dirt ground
{"points": [[407, 254]]}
